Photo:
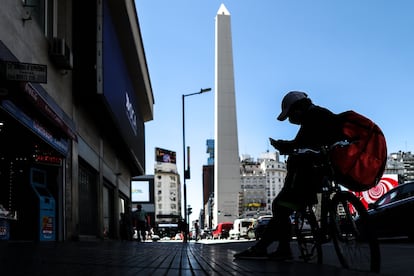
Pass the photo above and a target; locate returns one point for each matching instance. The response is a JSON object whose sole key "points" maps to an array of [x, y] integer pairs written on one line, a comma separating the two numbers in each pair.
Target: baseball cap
{"points": [[288, 100]]}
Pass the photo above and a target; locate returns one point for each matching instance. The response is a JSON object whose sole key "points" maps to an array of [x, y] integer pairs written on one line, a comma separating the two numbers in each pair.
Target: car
{"points": [[155, 237], [222, 230], [261, 225], [206, 234], [243, 228], [304, 226], [391, 214], [263, 221]]}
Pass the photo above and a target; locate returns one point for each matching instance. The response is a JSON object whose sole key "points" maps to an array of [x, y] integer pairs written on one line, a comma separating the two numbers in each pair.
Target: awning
{"points": [[42, 100]]}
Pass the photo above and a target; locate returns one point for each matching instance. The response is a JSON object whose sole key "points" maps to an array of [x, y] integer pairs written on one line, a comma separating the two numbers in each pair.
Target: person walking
{"points": [[318, 127], [197, 230], [140, 222]]}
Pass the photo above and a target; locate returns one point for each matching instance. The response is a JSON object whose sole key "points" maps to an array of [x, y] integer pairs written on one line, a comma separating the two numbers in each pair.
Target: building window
{"points": [[44, 12]]}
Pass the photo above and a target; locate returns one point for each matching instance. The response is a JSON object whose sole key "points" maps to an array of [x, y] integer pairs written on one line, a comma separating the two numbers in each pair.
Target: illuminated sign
{"points": [[165, 156], [48, 159], [130, 112], [140, 191]]}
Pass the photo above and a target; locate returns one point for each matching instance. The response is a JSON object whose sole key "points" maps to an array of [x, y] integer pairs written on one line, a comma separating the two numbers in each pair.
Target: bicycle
{"points": [[341, 218]]}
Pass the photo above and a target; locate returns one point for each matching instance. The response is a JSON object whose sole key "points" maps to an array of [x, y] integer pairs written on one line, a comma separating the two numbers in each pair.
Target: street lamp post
{"points": [[186, 172]]}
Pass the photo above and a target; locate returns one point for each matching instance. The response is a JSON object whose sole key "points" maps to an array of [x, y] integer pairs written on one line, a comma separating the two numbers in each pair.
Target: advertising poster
{"points": [[387, 182], [140, 191]]}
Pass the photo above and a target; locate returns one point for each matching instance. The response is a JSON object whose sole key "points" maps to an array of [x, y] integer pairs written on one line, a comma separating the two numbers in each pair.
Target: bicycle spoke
{"points": [[356, 245], [306, 231]]}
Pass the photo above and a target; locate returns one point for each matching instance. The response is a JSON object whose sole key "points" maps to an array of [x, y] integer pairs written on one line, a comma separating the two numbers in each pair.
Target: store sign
{"points": [[48, 159], [35, 97], [58, 143], [28, 72]]}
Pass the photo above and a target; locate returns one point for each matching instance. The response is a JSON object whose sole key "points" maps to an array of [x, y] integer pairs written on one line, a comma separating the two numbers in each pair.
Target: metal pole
{"points": [[186, 219], [184, 178]]}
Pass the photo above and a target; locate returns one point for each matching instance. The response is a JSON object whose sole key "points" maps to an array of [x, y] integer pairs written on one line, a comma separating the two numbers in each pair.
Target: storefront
{"points": [[35, 141], [30, 181]]}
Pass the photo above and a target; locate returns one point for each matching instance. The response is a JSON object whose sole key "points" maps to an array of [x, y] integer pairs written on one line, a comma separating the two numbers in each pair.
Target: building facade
{"points": [[75, 94], [261, 181], [167, 193]]}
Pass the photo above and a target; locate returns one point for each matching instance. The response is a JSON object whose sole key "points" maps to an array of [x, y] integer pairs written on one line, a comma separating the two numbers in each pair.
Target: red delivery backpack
{"points": [[360, 165]]}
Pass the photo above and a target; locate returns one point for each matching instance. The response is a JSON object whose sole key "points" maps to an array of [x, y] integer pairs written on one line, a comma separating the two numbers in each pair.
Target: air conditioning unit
{"points": [[60, 53]]}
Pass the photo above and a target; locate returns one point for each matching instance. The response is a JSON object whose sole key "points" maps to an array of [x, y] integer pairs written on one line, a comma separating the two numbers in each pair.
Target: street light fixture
{"points": [[186, 172]]}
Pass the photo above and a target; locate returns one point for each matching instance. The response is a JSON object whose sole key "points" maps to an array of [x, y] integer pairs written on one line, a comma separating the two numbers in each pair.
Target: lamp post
{"points": [[186, 172]]}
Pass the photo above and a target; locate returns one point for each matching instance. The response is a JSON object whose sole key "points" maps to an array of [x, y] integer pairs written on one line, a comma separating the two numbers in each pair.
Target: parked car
{"points": [[306, 229], [261, 224], [391, 214], [263, 221], [206, 234], [243, 228], [155, 237], [222, 230]]}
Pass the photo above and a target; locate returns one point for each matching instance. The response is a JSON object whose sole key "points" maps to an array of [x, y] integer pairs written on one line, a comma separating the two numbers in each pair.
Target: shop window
{"points": [[44, 12]]}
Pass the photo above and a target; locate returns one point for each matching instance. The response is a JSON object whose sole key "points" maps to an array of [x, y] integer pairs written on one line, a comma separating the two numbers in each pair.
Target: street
{"points": [[397, 256]]}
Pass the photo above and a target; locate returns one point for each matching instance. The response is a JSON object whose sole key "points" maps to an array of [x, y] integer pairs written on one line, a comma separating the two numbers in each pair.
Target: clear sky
{"points": [[349, 54]]}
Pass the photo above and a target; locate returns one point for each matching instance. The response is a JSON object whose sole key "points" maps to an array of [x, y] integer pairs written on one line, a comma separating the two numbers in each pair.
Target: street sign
{"points": [[29, 72]]}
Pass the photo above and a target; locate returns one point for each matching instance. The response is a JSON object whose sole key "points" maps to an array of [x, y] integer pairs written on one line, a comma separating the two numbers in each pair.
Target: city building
{"points": [[402, 164], [261, 181], [167, 193], [75, 95], [275, 171], [206, 216]]}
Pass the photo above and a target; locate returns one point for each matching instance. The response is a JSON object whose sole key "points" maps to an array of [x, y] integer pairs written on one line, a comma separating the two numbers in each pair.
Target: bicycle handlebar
{"points": [[342, 143]]}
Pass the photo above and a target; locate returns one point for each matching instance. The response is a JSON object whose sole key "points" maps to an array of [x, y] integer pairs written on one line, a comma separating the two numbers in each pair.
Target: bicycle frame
{"points": [[343, 219]]}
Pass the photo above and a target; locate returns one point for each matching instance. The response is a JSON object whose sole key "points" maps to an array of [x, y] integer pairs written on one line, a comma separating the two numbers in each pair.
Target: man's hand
{"points": [[274, 143], [282, 146]]}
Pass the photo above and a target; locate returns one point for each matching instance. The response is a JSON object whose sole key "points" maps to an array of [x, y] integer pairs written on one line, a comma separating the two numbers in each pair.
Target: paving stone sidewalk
{"points": [[103, 258]]}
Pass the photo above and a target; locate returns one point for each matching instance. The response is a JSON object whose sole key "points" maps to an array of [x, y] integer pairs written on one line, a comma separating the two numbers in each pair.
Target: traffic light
{"points": [[189, 210]]}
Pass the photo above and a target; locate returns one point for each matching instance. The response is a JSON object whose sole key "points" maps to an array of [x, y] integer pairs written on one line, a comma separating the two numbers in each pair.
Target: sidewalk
{"points": [[116, 258]]}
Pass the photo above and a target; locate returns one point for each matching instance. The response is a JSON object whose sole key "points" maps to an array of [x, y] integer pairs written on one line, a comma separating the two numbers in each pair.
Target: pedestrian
{"points": [[123, 229], [182, 228], [197, 230], [140, 222], [129, 219], [318, 127]]}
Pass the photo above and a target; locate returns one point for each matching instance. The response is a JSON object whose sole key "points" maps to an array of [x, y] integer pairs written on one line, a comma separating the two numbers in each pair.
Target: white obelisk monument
{"points": [[226, 152]]}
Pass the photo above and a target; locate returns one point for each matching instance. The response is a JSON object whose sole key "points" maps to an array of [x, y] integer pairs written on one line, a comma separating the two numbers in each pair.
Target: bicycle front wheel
{"points": [[307, 233], [355, 241]]}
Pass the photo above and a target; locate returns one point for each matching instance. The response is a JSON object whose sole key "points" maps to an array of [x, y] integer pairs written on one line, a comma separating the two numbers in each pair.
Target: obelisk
{"points": [[226, 152]]}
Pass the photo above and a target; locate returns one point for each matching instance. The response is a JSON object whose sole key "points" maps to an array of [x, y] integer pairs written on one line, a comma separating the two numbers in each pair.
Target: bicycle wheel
{"points": [[306, 230], [355, 241]]}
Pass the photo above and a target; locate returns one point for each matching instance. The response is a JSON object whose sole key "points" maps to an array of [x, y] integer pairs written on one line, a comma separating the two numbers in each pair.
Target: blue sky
{"points": [[346, 55]]}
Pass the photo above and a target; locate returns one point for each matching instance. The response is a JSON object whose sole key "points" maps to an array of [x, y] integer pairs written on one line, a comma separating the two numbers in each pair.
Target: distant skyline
{"points": [[345, 54]]}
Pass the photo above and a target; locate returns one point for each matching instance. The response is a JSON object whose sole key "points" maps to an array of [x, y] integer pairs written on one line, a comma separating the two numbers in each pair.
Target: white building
{"points": [[260, 182], [167, 189], [275, 175]]}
